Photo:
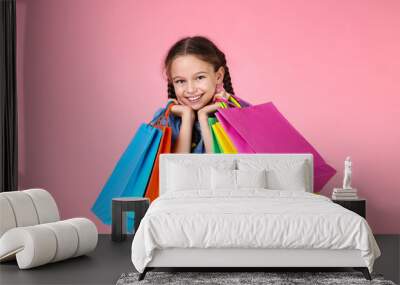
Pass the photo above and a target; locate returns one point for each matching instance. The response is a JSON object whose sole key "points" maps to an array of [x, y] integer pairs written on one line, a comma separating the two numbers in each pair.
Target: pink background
{"points": [[89, 72]]}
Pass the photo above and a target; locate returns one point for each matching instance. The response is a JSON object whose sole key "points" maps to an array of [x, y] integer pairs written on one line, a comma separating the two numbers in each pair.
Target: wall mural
{"points": [[203, 115]]}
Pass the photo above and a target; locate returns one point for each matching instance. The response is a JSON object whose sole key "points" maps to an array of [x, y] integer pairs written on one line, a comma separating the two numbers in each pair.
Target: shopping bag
{"points": [[224, 142], [237, 141], [132, 171], [152, 191], [240, 143], [221, 141], [263, 129], [215, 147]]}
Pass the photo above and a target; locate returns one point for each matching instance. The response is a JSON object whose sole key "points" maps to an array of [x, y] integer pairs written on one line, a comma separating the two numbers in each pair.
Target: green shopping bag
{"points": [[215, 147]]}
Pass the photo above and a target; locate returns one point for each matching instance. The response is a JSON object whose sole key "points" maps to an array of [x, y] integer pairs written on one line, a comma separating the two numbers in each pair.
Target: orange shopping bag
{"points": [[152, 190]]}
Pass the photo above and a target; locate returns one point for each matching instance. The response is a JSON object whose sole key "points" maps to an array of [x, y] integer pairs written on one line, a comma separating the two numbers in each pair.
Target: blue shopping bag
{"points": [[131, 173]]}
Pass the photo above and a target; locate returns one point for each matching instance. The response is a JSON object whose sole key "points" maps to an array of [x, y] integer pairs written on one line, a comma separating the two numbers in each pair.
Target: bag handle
{"points": [[231, 101], [165, 115], [169, 107]]}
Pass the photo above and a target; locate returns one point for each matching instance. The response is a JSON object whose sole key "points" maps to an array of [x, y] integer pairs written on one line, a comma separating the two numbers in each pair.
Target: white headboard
{"points": [[212, 158]]}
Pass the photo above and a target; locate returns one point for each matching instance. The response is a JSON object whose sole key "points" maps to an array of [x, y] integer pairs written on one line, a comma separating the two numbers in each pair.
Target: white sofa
{"points": [[31, 231]]}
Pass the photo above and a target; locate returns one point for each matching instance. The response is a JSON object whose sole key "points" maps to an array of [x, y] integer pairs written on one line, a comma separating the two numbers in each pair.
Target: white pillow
{"points": [[251, 178], [223, 179], [228, 179], [281, 174], [185, 174]]}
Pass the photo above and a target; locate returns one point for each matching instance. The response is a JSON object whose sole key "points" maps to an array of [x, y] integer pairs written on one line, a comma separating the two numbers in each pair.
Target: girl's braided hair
{"points": [[204, 49]]}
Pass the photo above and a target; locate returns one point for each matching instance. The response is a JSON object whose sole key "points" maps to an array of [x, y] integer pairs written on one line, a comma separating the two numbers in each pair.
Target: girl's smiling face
{"points": [[194, 81]]}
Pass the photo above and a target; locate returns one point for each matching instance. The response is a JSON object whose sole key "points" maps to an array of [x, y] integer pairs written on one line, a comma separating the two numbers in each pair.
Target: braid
{"points": [[171, 91], [227, 81], [227, 77]]}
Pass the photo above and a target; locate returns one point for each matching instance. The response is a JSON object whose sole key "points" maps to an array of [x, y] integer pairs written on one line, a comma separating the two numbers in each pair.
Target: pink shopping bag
{"points": [[263, 129], [240, 143]]}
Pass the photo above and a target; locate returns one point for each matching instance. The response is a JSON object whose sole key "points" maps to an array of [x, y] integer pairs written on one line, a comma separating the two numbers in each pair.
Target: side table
{"points": [[358, 206], [122, 205]]}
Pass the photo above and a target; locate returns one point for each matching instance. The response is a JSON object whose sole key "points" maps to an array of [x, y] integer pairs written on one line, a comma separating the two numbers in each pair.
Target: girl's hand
{"points": [[183, 111], [207, 110], [183, 143], [203, 114], [212, 108]]}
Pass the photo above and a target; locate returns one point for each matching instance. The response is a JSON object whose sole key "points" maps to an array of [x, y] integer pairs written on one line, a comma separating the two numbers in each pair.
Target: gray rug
{"points": [[270, 278]]}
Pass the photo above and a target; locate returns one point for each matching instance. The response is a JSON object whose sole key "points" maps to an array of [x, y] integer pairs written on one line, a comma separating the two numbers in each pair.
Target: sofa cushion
{"points": [[40, 244]]}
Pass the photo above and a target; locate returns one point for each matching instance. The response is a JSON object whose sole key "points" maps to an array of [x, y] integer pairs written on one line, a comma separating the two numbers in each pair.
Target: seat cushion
{"points": [[7, 220], [40, 244], [26, 208]]}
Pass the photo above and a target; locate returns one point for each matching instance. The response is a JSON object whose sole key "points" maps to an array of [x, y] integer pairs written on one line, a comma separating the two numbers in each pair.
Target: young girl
{"points": [[197, 75]]}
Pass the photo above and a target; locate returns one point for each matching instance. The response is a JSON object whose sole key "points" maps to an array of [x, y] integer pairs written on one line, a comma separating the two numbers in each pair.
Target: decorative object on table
{"points": [[344, 194], [347, 173], [347, 192], [266, 278], [263, 129], [358, 205], [120, 207], [132, 172], [31, 231]]}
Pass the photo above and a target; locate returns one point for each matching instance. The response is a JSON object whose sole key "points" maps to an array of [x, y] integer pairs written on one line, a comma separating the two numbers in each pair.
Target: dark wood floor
{"points": [[110, 260]]}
